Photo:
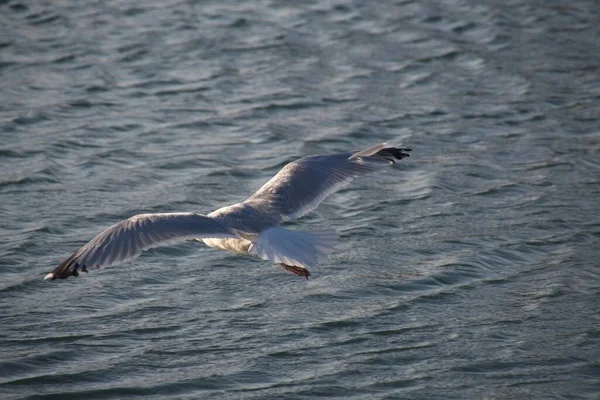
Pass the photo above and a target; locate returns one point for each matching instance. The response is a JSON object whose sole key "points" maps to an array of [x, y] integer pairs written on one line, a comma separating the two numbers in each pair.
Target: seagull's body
{"points": [[250, 227]]}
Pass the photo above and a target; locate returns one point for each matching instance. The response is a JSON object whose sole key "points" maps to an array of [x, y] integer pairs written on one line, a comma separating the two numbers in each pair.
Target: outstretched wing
{"points": [[302, 184], [127, 239]]}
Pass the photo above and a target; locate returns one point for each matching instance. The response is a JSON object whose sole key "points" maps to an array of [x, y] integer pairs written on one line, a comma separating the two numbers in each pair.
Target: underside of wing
{"points": [[127, 239], [301, 185]]}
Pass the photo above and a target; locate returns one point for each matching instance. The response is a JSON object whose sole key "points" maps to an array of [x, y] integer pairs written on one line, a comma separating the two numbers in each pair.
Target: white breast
{"points": [[236, 245]]}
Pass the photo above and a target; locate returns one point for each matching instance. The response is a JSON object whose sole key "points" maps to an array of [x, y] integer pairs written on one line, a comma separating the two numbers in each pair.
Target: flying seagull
{"points": [[250, 227]]}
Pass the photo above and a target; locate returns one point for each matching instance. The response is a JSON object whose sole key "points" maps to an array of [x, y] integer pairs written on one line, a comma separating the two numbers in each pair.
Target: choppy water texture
{"points": [[470, 270]]}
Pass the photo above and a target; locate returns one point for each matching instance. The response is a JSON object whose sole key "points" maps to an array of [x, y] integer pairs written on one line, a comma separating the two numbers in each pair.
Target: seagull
{"points": [[251, 227]]}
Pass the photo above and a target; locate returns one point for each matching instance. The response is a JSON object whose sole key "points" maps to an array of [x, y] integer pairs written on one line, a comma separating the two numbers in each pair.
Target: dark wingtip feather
{"points": [[392, 153], [66, 269]]}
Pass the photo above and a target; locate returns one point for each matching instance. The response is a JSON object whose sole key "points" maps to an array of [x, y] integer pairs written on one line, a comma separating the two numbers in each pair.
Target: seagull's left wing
{"points": [[127, 239], [302, 184]]}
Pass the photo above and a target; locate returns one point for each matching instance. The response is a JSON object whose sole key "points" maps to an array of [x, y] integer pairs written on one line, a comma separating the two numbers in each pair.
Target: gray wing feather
{"points": [[302, 184], [127, 239]]}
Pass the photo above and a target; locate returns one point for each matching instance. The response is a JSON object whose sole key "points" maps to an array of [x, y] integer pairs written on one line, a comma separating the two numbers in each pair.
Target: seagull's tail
{"points": [[292, 248]]}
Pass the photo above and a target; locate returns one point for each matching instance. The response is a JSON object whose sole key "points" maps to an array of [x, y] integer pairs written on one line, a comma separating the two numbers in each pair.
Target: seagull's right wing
{"points": [[302, 184], [127, 239]]}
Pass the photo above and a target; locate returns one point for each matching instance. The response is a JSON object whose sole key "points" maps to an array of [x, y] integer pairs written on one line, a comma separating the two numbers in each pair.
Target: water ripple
{"points": [[468, 270]]}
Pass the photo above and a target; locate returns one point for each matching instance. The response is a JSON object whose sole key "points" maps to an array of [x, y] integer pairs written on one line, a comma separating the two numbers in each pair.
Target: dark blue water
{"points": [[470, 270]]}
